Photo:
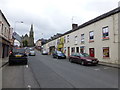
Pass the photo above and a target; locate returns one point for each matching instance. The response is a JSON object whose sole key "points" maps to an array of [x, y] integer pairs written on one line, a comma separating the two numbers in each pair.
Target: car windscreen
{"points": [[60, 53], [19, 50], [85, 55], [79, 54]]}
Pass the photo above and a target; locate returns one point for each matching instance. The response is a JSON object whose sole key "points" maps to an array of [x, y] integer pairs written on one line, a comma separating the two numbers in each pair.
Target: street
{"points": [[43, 71]]}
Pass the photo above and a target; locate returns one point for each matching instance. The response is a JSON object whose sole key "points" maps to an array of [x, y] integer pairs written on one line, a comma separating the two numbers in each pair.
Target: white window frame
{"points": [[82, 38]]}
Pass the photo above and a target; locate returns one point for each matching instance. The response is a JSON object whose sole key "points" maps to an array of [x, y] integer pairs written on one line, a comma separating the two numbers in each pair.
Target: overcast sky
{"points": [[52, 16]]}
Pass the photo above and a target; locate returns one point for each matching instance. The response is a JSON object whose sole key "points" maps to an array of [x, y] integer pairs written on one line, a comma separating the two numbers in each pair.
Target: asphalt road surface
{"points": [[43, 71]]}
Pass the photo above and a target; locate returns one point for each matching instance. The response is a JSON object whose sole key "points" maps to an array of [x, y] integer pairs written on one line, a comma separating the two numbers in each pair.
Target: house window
{"points": [[72, 49], [64, 39], [91, 36], [82, 49], [105, 52], [105, 32], [82, 39], [64, 50], [67, 38], [75, 40], [2, 29], [58, 41], [5, 31]]}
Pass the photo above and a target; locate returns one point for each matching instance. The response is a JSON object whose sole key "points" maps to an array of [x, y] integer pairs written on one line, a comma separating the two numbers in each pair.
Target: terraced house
{"points": [[99, 37], [5, 36]]}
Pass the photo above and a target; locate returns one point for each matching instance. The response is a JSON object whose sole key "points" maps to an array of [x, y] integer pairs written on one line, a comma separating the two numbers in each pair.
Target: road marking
{"points": [[29, 87], [97, 69], [106, 67], [27, 66]]}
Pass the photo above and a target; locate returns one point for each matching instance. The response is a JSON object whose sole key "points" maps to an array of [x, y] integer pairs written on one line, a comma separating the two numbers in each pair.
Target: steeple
{"points": [[31, 31]]}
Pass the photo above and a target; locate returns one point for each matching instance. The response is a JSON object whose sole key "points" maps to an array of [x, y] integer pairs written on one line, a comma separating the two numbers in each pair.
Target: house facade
{"points": [[5, 36], [99, 37]]}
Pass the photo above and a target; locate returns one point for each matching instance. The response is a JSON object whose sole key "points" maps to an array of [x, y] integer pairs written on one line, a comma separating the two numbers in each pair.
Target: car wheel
{"points": [[57, 57], [10, 63], [70, 60], [25, 63], [82, 63]]}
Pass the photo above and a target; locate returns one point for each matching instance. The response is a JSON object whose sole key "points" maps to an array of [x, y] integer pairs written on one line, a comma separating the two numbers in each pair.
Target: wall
{"points": [[98, 44]]}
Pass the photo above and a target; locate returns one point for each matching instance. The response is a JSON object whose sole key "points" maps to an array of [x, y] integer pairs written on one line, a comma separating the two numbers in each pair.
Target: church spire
{"points": [[31, 31]]}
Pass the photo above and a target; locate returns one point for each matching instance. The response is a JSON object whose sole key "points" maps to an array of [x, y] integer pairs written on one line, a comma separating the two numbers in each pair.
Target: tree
{"points": [[25, 43]]}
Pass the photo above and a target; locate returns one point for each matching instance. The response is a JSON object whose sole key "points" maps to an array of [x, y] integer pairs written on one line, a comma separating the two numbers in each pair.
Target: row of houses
{"points": [[99, 37], [6, 40]]}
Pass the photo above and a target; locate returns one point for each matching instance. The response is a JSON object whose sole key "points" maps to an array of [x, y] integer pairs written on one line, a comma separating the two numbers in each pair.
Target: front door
{"points": [[77, 49], [91, 52]]}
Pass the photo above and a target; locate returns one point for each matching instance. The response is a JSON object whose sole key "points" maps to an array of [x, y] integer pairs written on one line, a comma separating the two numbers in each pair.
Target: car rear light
{"points": [[10, 52]]}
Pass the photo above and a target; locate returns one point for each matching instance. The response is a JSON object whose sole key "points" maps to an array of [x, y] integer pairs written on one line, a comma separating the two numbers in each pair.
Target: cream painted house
{"points": [[99, 37]]}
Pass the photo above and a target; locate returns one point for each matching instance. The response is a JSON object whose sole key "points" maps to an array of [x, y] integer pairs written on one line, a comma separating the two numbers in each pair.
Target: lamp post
{"points": [[15, 24], [15, 34]]}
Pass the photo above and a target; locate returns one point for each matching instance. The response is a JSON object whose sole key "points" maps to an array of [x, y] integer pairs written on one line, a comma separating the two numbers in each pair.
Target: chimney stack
{"points": [[74, 26]]}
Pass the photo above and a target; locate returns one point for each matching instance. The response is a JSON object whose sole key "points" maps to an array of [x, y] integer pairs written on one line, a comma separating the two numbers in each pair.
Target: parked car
{"points": [[58, 54], [44, 53], [32, 53], [83, 58], [18, 55], [28, 49]]}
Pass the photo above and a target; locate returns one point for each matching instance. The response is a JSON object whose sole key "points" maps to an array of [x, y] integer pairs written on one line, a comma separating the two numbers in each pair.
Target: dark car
{"points": [[17, 56], [58, 54], [83, 58]]}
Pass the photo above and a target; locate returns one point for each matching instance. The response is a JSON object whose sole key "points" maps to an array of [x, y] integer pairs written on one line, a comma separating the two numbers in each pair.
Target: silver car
{"points": [[32, 53]]}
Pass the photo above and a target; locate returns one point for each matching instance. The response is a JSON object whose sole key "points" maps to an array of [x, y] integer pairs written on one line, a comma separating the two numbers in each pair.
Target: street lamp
{"points": [[15, 24], [14, 33]]}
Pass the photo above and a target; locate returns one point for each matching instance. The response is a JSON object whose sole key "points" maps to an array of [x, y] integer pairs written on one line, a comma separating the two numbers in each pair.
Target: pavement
{"points": [[109, 64], [5, 61]]}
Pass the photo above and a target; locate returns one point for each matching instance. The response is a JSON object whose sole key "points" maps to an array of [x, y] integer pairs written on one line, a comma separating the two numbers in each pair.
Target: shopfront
{"points": [[5, 46]]}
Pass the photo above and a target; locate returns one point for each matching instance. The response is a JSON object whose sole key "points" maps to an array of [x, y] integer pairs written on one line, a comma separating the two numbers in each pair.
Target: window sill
{"points": [[82, 42], [105, 38], [106, 57], [90, 41]]}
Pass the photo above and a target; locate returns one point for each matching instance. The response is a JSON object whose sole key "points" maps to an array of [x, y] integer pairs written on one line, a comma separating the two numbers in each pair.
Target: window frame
{"points": [[82, 38], [107, 52], [76, 40], [91, 40], [105, 33], [68, 38]]}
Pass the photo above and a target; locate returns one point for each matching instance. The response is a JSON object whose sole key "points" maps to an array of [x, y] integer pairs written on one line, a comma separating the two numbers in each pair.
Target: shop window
{"points": [[91, 36], [105, 52], [82, 39], [105, 32]]}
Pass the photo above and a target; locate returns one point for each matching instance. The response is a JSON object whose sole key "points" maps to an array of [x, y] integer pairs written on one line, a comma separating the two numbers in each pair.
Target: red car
{"points": [[83, 58]]}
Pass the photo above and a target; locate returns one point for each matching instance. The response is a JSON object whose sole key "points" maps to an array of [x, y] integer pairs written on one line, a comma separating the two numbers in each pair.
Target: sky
{"points": [[52, 16]]}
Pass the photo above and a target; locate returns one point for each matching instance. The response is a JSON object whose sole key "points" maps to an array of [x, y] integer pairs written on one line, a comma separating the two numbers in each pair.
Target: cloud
{"points": [[52, 16]]}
